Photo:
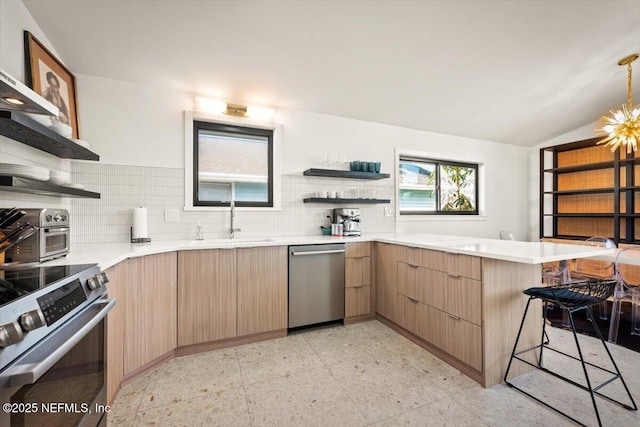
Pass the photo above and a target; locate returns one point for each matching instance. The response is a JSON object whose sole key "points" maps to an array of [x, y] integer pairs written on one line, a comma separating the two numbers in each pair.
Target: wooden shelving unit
{"points": [[586, 190]]}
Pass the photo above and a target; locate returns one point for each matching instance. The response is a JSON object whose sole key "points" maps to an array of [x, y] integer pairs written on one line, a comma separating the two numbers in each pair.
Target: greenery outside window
{"points": [[437, 187], [232, 163]]}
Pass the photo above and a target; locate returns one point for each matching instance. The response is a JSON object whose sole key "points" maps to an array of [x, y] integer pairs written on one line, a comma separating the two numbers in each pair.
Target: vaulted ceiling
{"points": [[518, 72]]}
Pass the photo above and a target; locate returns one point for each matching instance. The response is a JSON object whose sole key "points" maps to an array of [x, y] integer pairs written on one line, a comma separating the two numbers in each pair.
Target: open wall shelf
{"points": [[334, 173], [22, 129], [26, 185], [345, 201]]}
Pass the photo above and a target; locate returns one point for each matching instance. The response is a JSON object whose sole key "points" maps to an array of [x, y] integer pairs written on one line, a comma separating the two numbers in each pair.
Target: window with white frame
{"points": [[232, 162], [437, 187]]}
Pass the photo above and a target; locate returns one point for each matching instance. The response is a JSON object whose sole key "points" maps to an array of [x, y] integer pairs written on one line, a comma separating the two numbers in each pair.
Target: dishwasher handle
{"points": [[335, 251]]}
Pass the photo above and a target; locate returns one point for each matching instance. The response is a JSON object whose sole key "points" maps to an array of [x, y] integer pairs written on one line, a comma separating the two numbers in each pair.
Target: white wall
{"points": [[131, 123], [14, 19]]}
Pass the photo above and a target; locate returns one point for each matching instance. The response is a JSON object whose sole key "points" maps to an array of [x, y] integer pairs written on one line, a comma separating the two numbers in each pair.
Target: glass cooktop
{"points": [[18, 283]]}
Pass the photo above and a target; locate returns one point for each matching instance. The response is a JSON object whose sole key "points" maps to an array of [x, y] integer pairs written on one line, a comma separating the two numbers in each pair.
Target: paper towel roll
{"points": [[140, 223]]}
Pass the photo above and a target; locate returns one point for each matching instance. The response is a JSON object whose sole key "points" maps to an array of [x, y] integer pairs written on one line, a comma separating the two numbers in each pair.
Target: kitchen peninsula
{"points": [[458, 297]]}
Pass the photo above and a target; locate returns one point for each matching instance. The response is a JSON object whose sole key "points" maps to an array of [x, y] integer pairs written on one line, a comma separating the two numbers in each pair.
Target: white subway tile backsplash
{"points": [[124, 187]]}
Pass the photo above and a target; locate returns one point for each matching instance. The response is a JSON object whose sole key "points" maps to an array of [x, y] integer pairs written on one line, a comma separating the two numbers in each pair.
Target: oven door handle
{"points": [[54, 231], [28, 371]]}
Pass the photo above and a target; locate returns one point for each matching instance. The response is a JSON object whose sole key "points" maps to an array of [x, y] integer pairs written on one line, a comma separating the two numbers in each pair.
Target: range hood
{"points": [[15, 96]]}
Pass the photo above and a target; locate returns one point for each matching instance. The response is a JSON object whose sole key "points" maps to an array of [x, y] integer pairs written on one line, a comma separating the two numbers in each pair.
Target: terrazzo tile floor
{"points": [[360, 375]]}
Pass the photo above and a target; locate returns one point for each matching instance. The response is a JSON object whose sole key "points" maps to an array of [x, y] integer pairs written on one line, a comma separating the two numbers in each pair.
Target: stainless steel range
{"points": [[52, 345]]}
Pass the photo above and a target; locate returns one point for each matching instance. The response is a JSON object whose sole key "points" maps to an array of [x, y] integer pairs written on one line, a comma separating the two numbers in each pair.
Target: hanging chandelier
{"points": [[623, 126]]}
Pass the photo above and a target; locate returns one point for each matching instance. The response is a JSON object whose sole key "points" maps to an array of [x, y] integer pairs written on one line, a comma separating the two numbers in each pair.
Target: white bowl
{"points": [[43, 119], [59, 177], [62, 129]]}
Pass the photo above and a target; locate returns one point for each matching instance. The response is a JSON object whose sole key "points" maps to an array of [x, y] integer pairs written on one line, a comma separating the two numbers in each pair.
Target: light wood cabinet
{"points": [[464, 298], [262, 289], [423, 320], [357, 279], [434, 260], [464, 341], [387, 276], [408, 254], [357, 301], [408, 313], [206, 295], [357, 272], [114, 339], [423, 284], [150, 317], [439, 299], [464, 265], [357, 250]]}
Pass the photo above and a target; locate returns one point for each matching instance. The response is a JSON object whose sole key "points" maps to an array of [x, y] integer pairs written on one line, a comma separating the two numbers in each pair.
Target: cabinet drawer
{"points": [[357, 272], [435, 260], [426, 322], [408, 313], [464, 341], [357, 250], [464, 265], [464, 298], [409, 255], [357, 301], [432, 326], [423, 284]]}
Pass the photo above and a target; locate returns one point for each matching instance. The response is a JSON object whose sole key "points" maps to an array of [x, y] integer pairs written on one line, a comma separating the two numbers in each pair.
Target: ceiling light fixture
{"points": [[623, 126]]}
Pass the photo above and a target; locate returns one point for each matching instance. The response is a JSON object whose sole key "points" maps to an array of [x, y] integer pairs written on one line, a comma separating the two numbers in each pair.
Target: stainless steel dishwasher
{"points": [[316, 284]]}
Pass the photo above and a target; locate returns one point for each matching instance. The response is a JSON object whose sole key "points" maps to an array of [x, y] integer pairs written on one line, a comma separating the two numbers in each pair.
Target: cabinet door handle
{"points": [[453, 316], [412, 299], [412, 265], [455, 276], [358, 257], [359, 286]]}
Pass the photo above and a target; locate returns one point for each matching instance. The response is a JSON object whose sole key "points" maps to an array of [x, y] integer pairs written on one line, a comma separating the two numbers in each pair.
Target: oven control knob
{"points": [[58, 218], [94, 283], [10, 333], [32, 320], [48, 218], [104, 278]]}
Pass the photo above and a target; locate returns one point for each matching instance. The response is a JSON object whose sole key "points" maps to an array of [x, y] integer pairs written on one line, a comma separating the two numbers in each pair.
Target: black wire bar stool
{"points": [[573, 297]]}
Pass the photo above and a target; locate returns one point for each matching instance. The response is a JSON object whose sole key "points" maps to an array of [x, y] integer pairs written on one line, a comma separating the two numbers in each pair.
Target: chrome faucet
{"points": [[232, 231]]}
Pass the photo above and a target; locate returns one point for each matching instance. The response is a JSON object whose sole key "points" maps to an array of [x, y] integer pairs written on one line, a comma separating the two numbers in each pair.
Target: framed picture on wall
{"points": [[46, 75]]}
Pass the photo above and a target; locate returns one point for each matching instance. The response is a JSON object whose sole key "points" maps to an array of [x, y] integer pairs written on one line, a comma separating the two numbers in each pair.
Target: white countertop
{"points": [[107, 255]]}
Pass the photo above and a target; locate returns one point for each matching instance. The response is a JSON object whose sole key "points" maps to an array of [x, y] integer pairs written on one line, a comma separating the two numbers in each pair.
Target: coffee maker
{"points": [[350, 220]]}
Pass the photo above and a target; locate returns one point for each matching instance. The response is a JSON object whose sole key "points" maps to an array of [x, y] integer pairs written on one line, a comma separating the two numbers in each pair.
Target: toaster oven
{"points": [[49, 242]]}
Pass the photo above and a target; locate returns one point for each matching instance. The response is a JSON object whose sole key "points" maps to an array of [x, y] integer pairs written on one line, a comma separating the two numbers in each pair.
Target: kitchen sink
{"points": [[231, 241]]}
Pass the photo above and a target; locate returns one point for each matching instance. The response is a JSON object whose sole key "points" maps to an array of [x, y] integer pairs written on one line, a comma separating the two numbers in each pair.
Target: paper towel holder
{"points": [[139, 239]]}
